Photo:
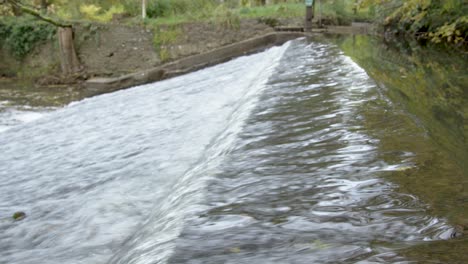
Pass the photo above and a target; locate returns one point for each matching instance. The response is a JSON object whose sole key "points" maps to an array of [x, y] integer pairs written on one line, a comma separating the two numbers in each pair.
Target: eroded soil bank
{"points": [[109, 50]]}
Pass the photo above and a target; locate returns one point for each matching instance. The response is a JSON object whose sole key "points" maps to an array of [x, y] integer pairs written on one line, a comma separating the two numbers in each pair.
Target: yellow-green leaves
{"points": [[94, 13], [451, 33]]}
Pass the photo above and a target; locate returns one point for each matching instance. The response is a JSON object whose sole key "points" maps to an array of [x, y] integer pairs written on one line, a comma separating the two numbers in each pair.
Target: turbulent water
{"points": [[264, 159], [10, 117]]}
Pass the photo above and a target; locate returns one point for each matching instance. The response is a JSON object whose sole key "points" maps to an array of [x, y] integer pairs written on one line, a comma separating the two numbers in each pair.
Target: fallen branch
{"points": [[35, 13]]}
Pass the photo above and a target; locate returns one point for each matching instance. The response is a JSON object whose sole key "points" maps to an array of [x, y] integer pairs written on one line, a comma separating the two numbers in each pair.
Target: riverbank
{"points": [[116, 50], [110, 50], [195, 62]]}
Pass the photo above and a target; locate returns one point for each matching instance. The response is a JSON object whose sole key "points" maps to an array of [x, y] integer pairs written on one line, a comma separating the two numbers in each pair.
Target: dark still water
{"points": [[293, 155]]}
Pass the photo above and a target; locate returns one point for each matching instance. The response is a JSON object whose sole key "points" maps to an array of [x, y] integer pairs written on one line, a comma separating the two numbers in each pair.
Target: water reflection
{"points": [[429, 94], [308, 182], [430, 84]]}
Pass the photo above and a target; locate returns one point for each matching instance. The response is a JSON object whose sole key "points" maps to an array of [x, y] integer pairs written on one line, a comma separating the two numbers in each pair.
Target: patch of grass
{"points": [[170, 21], [163, 37], [226, 18], [269, 21], [227, 15], [186, 8], [342, 12], [286, 10]]}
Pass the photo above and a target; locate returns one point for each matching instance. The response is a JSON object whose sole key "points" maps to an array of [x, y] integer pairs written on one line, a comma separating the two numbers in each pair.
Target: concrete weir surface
{"points": [[97, 86]]}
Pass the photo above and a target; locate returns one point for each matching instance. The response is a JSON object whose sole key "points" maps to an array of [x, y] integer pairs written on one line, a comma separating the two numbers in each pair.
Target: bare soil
{"points": [[109, 50], [202, 37]]}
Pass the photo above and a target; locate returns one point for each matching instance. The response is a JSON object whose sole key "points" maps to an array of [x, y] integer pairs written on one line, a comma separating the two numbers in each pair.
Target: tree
{"points": [[68, 59], [143, 9]]}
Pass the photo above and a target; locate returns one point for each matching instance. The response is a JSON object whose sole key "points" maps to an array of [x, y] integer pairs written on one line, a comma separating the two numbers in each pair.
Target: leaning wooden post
{"points": [[320, 14], [309, 15], [68, 59]]}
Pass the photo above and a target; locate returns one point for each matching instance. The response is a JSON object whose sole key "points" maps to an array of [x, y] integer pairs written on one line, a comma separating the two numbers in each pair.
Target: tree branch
{"points": [[36, 14]]}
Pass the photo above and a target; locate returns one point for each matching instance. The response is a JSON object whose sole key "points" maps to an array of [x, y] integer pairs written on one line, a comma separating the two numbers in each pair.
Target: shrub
{"points": [[455, 32], [158, 8], [132, 7], [21, 35], [93, 12], [438, 21]]}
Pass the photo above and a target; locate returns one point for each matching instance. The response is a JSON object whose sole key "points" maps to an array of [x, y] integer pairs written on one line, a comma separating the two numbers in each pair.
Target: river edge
{"points": [[188, 64], [115, 52]]}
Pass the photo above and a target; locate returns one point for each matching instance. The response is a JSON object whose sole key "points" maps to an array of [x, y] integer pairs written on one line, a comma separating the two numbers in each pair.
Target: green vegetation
{"points": [[227, 13], [163, 37], [18, 216], [93, 12], [438, 21], [168, 8], [285, 10], [429, 83], [226, 18], [433, 20], [173, 11], [343, 12], [20, 35]]}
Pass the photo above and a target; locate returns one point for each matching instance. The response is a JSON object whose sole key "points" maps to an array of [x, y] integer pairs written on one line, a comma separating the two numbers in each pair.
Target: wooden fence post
{"points": [[309, 15]]}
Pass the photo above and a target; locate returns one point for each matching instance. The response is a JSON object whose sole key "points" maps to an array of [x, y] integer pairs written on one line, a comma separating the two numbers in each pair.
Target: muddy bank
{"points": [[110, 50], [191, 63], [95, 86], [114, 50], [116, 56]]}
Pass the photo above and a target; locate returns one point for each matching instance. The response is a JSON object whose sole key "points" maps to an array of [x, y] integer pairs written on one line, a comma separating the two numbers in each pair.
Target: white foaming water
{"points": [[10, 118], [167, 218], [112, 177]]}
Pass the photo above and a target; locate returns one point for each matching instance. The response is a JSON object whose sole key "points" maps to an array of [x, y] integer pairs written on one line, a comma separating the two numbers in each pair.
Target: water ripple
{"points": [[305, 183]]}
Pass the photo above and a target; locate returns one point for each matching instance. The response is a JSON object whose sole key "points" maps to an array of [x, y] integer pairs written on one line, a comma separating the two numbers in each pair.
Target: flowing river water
{"points": [[292, 155]]}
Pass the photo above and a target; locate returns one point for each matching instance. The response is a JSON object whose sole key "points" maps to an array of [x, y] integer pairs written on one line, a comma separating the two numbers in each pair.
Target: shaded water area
{"points": [[292, 155], [430, 89]]}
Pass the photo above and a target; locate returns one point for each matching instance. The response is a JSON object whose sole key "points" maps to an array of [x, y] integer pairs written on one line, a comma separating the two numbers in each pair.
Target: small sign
{"points": [[309, 2]]}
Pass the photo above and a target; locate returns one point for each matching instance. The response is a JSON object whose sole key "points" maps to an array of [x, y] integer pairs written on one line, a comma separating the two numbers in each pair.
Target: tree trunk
{"points": [[309, 17], [68, 59]]}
